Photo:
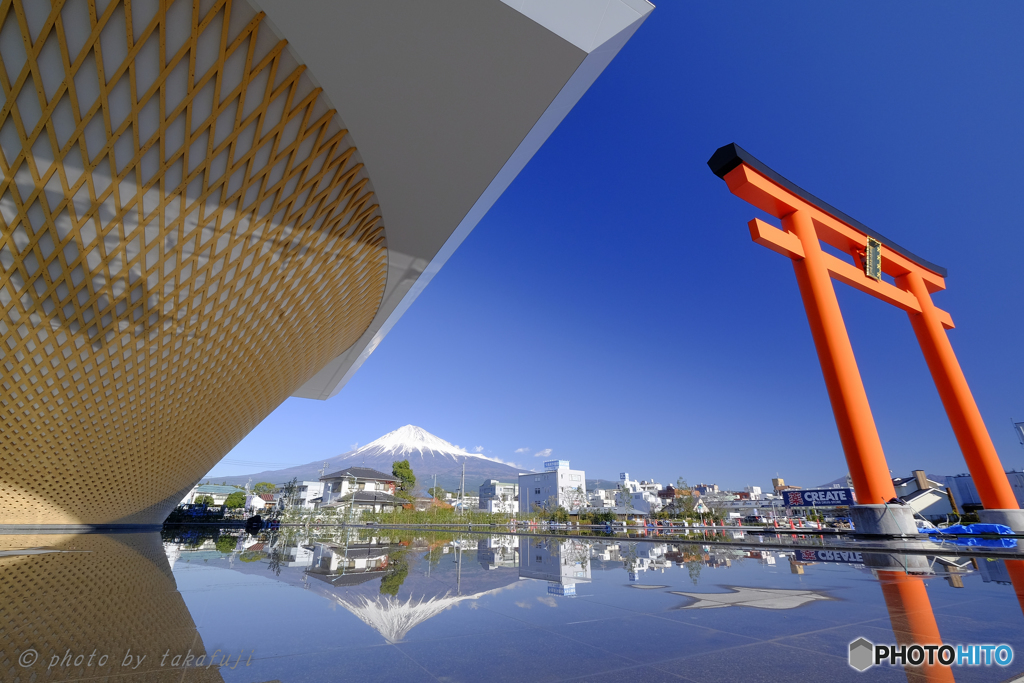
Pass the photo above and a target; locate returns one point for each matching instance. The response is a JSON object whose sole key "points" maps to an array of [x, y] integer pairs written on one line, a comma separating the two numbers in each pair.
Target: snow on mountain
{"points": [[411, 441], [428, 455]]}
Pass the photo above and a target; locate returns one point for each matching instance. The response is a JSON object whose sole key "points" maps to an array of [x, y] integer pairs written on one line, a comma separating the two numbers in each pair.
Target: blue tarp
{"points": [[957, 529]]}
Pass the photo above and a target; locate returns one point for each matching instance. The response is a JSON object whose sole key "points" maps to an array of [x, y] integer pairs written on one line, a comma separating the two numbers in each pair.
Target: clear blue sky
{"points": [[612, 308]]}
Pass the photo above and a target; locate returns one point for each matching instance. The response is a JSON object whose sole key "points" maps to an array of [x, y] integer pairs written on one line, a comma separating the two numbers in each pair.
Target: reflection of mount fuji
{"points": [[427, 454], [359, 576]]}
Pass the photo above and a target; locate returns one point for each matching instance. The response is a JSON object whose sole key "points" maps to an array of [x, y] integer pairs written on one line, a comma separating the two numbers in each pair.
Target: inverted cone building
{"points": [[209, 206]]}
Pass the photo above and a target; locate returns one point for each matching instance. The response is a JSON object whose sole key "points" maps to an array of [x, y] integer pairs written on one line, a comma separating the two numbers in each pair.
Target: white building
{"points": [[603, 498], [556, 486], [642, 496], [496, 496]]}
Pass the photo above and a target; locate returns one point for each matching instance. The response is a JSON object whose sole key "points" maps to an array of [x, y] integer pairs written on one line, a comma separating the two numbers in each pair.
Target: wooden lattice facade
{"points": [[187, 235]]}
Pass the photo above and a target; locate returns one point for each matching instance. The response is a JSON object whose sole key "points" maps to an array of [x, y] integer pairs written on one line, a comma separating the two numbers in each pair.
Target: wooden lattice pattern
{"points": [[186, 236], [97, 593]]}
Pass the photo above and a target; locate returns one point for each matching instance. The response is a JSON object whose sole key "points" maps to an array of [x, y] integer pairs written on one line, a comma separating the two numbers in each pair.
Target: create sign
{"points": [[820, 497], [829, 556]]}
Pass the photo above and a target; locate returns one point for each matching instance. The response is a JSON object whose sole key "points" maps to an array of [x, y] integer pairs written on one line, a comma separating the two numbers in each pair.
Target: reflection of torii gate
{"points": [[806, 221]]}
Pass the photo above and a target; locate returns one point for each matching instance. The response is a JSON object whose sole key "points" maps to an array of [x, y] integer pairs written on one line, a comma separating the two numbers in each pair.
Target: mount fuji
{"points": [[427, 455]]}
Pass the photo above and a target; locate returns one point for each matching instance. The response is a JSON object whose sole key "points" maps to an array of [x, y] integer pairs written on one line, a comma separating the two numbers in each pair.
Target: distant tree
{"points": [[436, 492], [264, 487], [204, 500], [406, 479], [560, 514], [226, 544], [235, 500]]}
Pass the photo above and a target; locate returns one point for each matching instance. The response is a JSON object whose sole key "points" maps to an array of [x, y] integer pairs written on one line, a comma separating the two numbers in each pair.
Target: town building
{"points": [[966, 495], [305, 495], [557, 486], [496, 496], [641, 496]]}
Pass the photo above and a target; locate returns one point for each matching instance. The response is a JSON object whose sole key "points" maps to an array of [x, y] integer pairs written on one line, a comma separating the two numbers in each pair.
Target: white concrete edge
{"points": [[592, 66]]}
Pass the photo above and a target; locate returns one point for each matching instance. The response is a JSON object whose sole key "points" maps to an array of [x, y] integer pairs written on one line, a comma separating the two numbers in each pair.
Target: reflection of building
{"points": [[498, 551], [556, 486], [94, 593], [496, 496], [352, 558], [993, 571], [562, 564], [184, 243]]}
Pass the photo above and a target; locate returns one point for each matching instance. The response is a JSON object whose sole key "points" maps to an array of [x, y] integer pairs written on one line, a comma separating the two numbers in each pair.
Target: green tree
{"points": [[393, 580], [235, 500], [264, 487], [203, 500], [436, 492], [226, 544], [406, 479], [688, 500]]}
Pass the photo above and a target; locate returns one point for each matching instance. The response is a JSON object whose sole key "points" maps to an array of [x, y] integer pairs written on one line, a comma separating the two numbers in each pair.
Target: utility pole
{"points": [[462, 491]]}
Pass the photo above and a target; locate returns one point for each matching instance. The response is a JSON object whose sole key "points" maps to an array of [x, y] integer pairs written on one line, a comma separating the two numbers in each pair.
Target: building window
{"points": [[536, 492]]}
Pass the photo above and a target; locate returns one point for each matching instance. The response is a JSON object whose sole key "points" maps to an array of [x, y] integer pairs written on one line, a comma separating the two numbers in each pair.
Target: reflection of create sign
{"points": [[829, 556], [820, 497]]}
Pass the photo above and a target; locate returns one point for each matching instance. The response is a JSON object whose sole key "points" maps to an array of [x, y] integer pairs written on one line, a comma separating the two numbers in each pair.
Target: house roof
{"points": [[269, 497], [367, 497], [359, 473], [922, 492]]}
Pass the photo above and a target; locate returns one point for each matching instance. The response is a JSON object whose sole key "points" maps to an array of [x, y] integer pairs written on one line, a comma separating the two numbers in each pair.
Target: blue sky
{"points": [[612, 308]]}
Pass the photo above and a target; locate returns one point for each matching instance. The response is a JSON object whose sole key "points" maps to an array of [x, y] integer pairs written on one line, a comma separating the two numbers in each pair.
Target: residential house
{"points": [[362, 479], [260, 502], [926, 497]]}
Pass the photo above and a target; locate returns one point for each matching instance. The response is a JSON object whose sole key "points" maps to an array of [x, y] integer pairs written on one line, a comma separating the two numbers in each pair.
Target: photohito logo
{"points": [[864, 654]]}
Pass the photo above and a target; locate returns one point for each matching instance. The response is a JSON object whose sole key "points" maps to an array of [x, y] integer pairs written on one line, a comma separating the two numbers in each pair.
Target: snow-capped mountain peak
{"points": [[412, 439]]}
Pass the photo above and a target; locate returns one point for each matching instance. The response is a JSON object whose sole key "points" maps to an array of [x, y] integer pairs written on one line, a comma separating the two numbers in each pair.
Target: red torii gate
{"points": [[806, 222]]}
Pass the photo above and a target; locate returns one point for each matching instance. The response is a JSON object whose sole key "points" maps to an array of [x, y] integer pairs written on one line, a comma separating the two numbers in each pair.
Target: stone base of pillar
{"points": [[883, 520], [1011, 518], [911, 564]]}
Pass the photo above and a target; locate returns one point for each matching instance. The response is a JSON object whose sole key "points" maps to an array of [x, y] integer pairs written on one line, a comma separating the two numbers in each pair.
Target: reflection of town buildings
{"points": [[390, 584], [92, 592], [562, 564]]}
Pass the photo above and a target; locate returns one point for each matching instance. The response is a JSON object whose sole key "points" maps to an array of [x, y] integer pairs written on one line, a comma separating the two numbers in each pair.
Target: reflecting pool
{"points": [[372, 604]]}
